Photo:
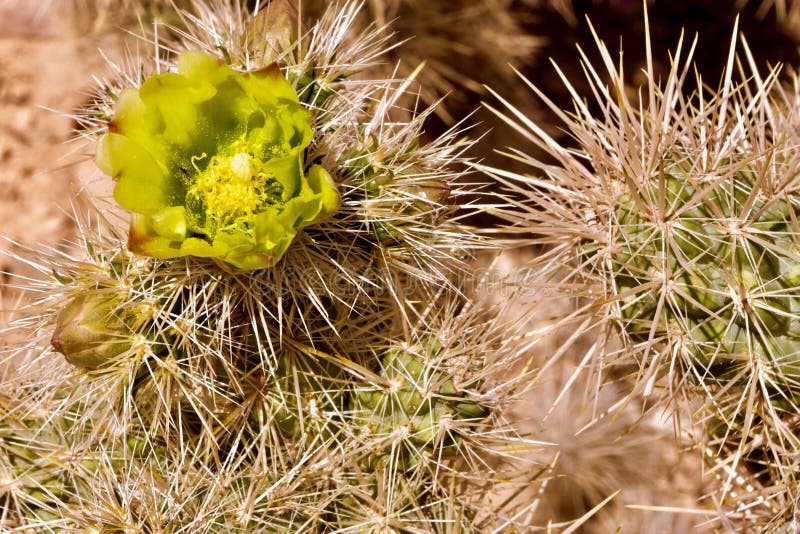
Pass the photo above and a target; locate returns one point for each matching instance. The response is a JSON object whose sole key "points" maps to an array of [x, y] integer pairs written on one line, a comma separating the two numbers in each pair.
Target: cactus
{"points": [[282, 343], [190, 429], [678, 216], [417, 406], [732, 257]]}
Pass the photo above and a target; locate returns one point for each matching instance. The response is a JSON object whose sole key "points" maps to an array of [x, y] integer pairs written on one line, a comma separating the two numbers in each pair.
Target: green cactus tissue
{"points": [[731, 255], [294, 249]]}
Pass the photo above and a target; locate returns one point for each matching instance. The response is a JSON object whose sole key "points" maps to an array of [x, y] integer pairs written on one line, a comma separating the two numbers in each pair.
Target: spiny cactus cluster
{"points": [[729, 251], [284, 340], [37, 467], [417, 405], [227, 430], [281, 344], [678, 218]]}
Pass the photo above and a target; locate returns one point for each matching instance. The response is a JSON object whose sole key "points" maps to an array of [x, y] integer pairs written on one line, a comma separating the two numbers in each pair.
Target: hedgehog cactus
{"points": [[44, 467]]}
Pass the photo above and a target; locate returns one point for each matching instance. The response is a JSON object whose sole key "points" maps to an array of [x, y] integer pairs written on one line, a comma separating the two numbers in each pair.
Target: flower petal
{"points": [[210, 162], [142, 184]]}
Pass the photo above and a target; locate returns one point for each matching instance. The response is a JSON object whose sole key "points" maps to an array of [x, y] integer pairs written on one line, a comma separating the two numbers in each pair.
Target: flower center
{"points": [[230, 191]]}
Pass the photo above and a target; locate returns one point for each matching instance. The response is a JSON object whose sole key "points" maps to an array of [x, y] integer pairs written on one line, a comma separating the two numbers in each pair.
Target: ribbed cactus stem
{"points": [[719, 263]]}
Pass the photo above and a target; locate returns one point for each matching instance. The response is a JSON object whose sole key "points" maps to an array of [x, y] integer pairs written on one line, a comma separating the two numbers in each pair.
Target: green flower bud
{"points": [[210, 163], [94, 328]]}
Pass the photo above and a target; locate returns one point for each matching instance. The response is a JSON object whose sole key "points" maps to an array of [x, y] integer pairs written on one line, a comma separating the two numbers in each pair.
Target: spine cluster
{"points": [[679, 219]]}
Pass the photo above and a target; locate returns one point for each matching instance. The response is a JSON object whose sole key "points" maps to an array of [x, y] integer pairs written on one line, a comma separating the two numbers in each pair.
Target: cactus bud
{"points": [[95, 328]]}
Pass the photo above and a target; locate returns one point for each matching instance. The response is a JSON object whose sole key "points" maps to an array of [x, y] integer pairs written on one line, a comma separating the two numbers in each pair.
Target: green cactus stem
{"points": [[418, 405], [729, 260]]}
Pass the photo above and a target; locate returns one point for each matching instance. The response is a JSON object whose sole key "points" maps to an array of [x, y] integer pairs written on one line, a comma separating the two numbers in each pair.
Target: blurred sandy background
{"points": [[43, 69]]}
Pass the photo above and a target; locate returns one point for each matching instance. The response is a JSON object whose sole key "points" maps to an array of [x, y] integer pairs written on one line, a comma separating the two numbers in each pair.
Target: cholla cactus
{"points": [[678, 219], [375, 204], [202, 423], [281, 343]]}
